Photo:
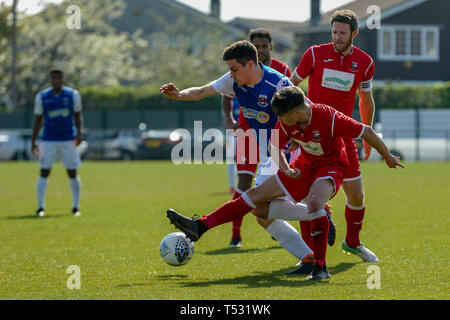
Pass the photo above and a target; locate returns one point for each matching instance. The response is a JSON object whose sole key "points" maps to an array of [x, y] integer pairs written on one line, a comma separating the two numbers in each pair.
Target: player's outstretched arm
{"points": [[280, 160], [227, 107], [375, 141], [190, 94]]}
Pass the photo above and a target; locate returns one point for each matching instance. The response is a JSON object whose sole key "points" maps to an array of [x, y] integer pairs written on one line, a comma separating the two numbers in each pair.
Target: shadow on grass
{"points": [[259, 280], [238, 250], [32, 216], [130, 285], [276, 278], [171, 277]]}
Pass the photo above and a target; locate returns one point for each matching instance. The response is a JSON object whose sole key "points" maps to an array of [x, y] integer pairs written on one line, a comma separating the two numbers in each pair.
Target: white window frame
{"points": [[392, 56]]}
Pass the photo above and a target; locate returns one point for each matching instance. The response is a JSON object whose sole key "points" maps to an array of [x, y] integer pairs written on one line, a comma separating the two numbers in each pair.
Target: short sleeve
{"points": [[279, 137], [305, 67], [344, 126], [224, 85], [283, 83], [287, 72], [76, 101], [366, 83], [38, 105]]}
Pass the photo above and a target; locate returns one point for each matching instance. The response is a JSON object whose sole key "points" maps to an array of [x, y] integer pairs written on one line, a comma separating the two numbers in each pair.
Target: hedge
{"points": [[388, 96]]}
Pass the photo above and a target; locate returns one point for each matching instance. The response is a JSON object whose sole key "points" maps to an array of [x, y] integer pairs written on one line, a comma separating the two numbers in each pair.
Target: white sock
{"points": [[287, 210], [289, 238], [41, 188], [231, 171], [75, 186]]}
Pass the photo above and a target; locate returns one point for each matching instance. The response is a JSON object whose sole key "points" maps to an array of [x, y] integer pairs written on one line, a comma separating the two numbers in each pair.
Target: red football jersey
{"points": [[334, 78], [321, 142], [281, 67]]}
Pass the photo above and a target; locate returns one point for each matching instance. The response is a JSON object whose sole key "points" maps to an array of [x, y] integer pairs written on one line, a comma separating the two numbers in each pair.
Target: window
{"points": [[413, 43]]}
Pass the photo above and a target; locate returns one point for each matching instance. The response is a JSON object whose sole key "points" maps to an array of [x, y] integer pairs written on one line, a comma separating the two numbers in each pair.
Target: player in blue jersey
{"points": [[254, 85], [58, 109]]}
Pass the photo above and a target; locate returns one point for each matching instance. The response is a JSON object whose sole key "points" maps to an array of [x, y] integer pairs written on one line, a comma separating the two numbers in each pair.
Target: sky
{"points": [[290, 10]]}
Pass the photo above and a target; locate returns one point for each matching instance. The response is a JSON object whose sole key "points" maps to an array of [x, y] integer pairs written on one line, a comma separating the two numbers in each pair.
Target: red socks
{"points": [[354, 220], [319, 235], [305, 228], [232, 210]]}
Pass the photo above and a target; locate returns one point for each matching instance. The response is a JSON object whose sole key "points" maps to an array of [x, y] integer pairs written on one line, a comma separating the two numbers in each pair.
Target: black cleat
{"points": [[76, 212], [332, 230], [304, 268], [40, 212], [189, 226], [319, 273], [236, 243]]}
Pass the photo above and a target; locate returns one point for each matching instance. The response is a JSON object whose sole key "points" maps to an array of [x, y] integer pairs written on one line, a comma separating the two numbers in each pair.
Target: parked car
{"points": [[112, 145], [158, 144], [12, 146]]}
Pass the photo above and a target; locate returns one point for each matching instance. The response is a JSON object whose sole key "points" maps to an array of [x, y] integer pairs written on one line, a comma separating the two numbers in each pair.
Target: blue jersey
{"points": [[58, 111], [255, 100], [236, 109]]}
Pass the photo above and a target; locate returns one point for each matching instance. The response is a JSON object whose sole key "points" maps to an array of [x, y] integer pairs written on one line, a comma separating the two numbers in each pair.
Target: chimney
{"points": [[315, 11], [215, 9]]}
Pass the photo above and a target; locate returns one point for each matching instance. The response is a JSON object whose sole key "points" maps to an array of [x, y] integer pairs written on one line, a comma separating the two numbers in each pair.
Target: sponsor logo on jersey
{"points": [[262, 117], [263, 101], [59, 113], [354, 66], [311, 147], [337, 80]]}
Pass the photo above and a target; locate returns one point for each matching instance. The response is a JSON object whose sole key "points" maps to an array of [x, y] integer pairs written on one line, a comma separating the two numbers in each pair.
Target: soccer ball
{"points": [[176, 249]]}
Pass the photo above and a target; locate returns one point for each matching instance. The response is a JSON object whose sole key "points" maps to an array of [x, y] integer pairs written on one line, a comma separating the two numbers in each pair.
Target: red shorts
{"points": [[353, 171], [298, 189], [247, 155]]}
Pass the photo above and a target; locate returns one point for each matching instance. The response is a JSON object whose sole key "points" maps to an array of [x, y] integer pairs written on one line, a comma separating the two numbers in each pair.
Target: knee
{"points": [[314, 203], [261, 211], [264, 222], [356, 198]]}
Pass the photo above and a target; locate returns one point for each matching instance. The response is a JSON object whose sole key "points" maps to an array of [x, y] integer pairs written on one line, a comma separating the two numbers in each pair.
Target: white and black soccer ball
{"points": [[176, 249]]}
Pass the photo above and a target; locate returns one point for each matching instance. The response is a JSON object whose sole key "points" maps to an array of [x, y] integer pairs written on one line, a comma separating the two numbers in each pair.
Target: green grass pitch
{"points": [[116, 241]]}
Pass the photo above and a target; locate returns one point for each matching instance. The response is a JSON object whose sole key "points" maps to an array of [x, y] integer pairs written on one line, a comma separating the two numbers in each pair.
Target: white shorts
{"points": [[51, 151]]}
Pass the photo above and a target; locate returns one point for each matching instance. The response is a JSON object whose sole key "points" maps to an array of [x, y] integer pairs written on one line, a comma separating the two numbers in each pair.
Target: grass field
{"points": [[116, 240]]}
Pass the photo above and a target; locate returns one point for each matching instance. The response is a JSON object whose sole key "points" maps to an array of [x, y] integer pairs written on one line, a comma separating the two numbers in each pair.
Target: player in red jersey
{"points": [[337, 70], [316, 174], [262, 40]]}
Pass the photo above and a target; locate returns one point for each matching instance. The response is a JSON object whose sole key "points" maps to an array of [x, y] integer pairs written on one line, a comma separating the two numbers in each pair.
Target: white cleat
{"points": [[365, 254], [40, 212], [76, 212]]}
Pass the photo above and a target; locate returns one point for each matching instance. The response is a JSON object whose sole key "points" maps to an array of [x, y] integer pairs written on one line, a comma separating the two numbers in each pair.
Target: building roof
{"points": [[388, 8], [282, 31]]}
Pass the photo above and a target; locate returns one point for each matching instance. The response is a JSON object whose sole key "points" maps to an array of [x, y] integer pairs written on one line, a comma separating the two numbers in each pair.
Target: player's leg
{"points": [[231, 173], [47, 155], [354, 215], [72, 162], [244, 183], [287, 236], [355, 208], [232, 210]]}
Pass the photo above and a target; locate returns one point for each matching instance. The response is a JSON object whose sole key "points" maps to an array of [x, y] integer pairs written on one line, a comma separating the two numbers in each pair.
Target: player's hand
{"points": [[78, 139], [367, 148], [393, 161], [34, 149], [232, 124], [293, 173], [293, 145], [170, 91]]}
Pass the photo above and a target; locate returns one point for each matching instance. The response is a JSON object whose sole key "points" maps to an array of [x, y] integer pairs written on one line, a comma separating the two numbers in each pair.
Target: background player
{"points": [[316, 174], [336, 71], [254, 85], [262, 39], [59, 108]]}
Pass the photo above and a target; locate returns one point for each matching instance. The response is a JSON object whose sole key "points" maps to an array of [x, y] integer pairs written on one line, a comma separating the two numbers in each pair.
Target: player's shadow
{"points": [[31, 216], [260, 280], [342, 267], [238, 250]]}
